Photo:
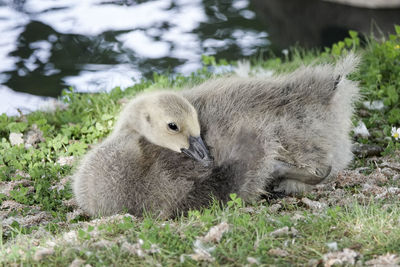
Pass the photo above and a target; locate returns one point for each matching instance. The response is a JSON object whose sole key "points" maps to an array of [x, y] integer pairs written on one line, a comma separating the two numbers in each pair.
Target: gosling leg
{"points": [[290, 171]]}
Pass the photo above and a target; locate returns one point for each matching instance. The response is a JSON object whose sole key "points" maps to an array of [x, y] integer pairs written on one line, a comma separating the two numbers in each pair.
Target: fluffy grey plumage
{"points": [[289, 131]]}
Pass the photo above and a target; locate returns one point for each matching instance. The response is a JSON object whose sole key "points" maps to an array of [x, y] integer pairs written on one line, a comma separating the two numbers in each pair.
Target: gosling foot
{"points": [[284, 170]]}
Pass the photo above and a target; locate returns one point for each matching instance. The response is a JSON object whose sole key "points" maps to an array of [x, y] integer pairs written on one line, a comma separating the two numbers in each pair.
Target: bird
{"points": [[303, 117], [173, 151]]}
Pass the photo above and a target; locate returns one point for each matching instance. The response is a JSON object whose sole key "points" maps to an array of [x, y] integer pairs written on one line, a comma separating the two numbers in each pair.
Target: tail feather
{"points": [[348, 91], [346, 65], [318, 84]]}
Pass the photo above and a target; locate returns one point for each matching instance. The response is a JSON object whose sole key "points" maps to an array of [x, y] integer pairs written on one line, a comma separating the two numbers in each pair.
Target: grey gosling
{"points": [[301, 119], [285, 133]]}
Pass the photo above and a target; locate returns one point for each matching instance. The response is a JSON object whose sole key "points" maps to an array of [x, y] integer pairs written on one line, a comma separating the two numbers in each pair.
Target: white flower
{"points": [[396, 133]]}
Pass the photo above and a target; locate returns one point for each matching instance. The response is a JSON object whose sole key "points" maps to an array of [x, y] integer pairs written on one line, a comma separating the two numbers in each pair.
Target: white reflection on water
{"points": [[143, 45], [249, 40], [102, 78], [91, 17], [41, 53], [97, 78], [10, 101], [240, 4], [12, 23], [142, 32]]}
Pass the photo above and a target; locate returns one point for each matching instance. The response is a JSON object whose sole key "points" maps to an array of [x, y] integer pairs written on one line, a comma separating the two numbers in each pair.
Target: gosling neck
{"points": [[129, 122]]}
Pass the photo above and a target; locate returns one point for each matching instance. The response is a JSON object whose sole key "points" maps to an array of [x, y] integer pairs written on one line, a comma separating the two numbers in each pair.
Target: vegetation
{"points": [[343, 222]]}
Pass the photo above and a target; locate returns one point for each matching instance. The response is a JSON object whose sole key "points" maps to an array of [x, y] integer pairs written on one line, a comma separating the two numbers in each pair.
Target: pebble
{"points": [[42, 253], [16, 139]]}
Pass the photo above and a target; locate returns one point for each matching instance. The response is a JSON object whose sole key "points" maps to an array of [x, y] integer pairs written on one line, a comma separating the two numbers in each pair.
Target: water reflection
{"points": [[94, 45]]}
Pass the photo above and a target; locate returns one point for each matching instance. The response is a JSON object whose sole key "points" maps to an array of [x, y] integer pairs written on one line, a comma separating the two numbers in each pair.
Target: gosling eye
{"points": [[173, 127]]}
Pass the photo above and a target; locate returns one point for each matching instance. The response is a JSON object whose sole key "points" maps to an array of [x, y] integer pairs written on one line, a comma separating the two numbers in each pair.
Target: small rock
{"points": [[385, 260], [134, 249], [16, 139], [101, 244], [374, 105], [202, 252], [77, 263], [215, 233], [69, 160], [298, 217], [200, 256], [278, 252], [345, 257], [315, 205], [42, 253], [153, 249], [396, 177], [313, 262], [248, 209], [252, 260], [361, 130], [34, 136], [332, 246], [274, 208], [51, 243], [393, 190], [70, 237], [280, 232], [294, 231]]}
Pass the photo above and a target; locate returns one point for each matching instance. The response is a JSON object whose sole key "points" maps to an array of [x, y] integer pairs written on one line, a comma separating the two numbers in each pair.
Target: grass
{"points": [[370, 229], [35, 192]]}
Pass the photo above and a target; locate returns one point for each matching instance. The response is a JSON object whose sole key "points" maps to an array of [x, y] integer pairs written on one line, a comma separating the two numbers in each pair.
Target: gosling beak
{"points": [[198, 151]]}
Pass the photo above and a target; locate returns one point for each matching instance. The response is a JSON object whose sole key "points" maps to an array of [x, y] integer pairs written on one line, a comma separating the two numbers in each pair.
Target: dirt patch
{"points": [[60, 185], [215, 233], [278, 252], [384, 260], [40, 217], [361, 185], [68, 160], [7, 187], [340, 258], [33, 137]]}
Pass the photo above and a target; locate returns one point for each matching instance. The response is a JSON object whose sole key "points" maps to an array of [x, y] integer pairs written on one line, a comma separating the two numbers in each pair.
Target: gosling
{"points": [[303, 119], [155, 160], [288, 132]]}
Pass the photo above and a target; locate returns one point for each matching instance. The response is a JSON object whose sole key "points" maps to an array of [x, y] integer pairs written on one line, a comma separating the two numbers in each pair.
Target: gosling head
{"points": [[168, 120]]}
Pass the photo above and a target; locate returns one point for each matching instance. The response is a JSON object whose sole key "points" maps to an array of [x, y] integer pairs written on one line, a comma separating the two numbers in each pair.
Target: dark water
{"points": [[95, 45]]}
